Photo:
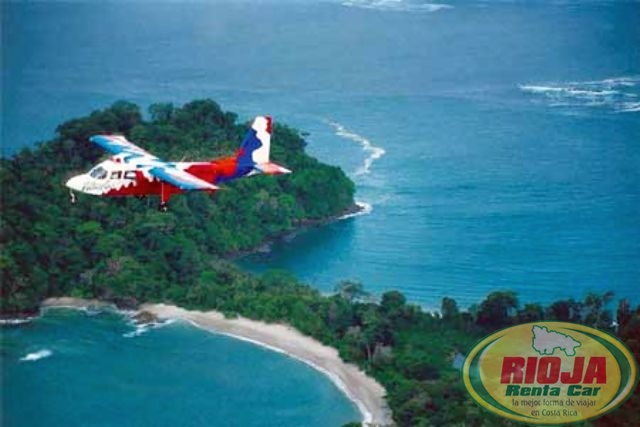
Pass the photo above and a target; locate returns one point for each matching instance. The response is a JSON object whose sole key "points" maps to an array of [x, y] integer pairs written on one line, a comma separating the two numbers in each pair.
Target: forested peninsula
{"points": [[122, 247], [126, 252]]}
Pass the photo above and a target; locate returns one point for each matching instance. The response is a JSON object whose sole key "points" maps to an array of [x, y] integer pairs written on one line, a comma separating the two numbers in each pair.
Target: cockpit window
{"points": [[98, 173]]}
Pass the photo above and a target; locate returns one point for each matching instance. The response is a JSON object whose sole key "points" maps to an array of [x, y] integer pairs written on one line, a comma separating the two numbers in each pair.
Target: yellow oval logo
{"points": [[550, 373]]}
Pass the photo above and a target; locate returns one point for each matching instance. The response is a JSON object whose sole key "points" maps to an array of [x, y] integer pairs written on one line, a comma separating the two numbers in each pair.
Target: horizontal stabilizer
{"points": [[271, 168]]}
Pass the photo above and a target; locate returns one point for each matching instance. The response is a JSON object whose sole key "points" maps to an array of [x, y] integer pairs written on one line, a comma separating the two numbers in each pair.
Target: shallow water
{"points": [[70, 368]]}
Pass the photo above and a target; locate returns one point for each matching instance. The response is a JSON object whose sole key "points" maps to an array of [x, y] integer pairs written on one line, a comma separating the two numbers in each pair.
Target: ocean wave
{"points": [[142, 328], [630, 107], [19, 321], [32, 357], [373, 152], [365, 209], [615, 94], [396, 5], [568, 91], [629, 81]]}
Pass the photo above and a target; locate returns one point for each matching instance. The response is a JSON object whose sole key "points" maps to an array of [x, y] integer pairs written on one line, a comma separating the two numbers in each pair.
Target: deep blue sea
{"points": [[497, 143]]}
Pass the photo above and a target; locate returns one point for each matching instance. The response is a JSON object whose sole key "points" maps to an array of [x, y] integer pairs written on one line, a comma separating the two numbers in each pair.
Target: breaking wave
{"points": [[630, 107], [16, 321], [141, 328], [396, 5], [618, 94], [32, 357], [373, 152], [365, 209]]}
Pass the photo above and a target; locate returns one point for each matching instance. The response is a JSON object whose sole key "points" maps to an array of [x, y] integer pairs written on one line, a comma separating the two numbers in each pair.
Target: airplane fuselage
{"points": [[116, 178]]}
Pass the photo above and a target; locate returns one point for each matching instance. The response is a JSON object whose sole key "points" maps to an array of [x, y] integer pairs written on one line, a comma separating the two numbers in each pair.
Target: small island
{"points": [[382, 350]]}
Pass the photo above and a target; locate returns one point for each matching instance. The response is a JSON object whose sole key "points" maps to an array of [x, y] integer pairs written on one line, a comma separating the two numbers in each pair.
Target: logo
{"points": [[550, 373]]}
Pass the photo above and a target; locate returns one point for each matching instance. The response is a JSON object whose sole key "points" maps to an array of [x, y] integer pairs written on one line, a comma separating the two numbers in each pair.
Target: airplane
{"points": [[132, 171]]}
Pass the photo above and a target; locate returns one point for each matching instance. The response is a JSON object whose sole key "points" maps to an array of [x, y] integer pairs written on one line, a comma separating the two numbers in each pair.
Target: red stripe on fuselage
{"points": [[209, 172]]}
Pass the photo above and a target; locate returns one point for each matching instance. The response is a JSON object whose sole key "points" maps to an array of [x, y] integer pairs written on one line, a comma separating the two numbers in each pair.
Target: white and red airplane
{"points": [[132, 171]]}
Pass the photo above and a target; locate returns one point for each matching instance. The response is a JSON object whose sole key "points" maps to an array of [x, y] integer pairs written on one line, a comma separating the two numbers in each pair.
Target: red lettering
{"points": [[576, 376], [512, 366], [548, 370], [596, 370], [530, 373]]}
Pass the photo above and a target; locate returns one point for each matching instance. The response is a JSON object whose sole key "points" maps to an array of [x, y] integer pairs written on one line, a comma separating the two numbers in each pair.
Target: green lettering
{"points": [[574, 390], [512, 390], [590, 391]]}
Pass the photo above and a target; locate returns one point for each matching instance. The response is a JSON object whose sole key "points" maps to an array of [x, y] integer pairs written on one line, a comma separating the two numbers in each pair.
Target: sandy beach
{"points": [[70, 302], [364, 391]]}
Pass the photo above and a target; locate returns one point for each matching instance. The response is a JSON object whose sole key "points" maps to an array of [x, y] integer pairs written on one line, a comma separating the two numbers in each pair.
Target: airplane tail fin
{"points": [[253, 155]]}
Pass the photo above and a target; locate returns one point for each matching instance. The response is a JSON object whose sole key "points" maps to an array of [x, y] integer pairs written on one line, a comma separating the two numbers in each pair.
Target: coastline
{"points": [[356, 209], [367, 394]]}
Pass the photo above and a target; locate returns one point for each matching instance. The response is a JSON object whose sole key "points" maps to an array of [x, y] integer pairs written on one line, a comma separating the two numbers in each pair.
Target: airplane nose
{"points": [[76, 182]]}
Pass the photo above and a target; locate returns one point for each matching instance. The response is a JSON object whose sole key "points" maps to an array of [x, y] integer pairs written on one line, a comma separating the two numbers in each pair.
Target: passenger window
{"points": [[116, 175]]}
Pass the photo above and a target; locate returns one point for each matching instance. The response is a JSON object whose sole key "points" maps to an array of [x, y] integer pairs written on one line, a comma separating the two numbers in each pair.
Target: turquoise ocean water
{"points": [[69, 368], [496, 142]]}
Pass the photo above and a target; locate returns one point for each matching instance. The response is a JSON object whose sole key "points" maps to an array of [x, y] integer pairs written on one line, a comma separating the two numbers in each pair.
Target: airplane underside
{"points": [[140, 190]]}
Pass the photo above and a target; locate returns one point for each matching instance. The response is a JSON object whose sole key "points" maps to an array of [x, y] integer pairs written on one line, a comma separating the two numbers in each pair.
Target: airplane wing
{"points": [[117, 144], [128, 152], [181, 179]]}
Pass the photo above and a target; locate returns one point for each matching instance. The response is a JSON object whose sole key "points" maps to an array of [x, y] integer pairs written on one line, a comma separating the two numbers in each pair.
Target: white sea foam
{"points": [[142, 328], [373, 152], [139, 330], [32, 357], [592, 93], [558, 90], [630, 107], [396, 5], [16, 321], [365, 209], [95, 309], [614, 94], [540, 89], [629, 81]]}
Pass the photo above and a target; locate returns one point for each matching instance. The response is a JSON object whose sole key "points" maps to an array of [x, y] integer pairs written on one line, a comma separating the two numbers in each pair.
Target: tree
{"points": [[393, 307], [351, 290], [161, 112], [449, 309], [565, 311], [596, 313], [530, 313], [623, 315], [496, 309], [373, 330]]}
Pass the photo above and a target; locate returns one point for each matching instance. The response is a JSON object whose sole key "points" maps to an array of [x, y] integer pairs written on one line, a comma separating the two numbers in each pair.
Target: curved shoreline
{"points": [[366, 393], [356, 209]]}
